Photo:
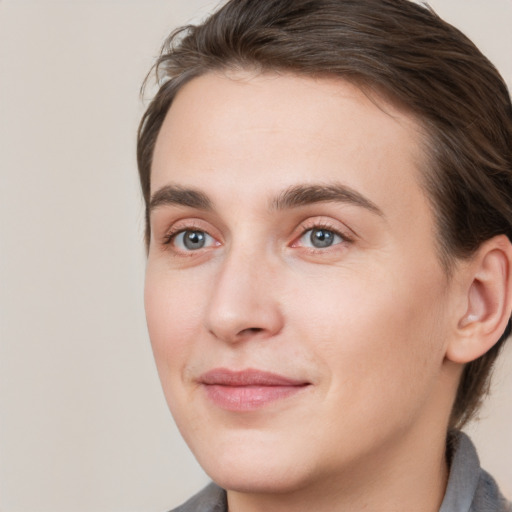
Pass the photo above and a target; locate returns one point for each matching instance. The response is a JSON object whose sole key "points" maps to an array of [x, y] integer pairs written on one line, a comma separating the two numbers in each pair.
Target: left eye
{"points": [[320, 238], [192, 240]]}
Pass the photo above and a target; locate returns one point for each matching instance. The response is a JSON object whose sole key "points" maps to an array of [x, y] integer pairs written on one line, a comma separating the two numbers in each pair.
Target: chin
{"points": [[253, 462], [258, 478]]}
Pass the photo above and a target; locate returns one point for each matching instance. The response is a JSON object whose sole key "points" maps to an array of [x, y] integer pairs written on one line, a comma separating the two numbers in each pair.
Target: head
{"points": [[399, 57], [403, 52]]}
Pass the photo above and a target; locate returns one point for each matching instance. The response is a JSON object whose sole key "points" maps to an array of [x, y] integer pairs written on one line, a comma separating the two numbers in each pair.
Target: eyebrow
{"points": [[303, 195], [293, 197], [181, 196]]}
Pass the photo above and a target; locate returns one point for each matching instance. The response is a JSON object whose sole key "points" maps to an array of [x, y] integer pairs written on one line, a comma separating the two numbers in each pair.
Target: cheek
{"points": [[173, 312], [380, 337]]}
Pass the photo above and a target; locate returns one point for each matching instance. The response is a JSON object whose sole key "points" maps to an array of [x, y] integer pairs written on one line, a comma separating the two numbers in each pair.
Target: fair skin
{"points": [[308, 340]]}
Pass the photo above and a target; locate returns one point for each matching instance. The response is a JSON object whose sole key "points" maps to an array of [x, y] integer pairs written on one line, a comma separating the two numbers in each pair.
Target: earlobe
{"points": [[488, 301]]}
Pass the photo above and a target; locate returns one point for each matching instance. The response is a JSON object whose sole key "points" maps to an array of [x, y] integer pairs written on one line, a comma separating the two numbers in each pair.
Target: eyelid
{"points": [[344, 232], [189, 224], [180, 226], [178, 241]]}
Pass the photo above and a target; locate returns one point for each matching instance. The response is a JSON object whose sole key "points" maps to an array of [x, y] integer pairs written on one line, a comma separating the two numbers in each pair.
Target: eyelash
{"points": [[323, 226], [171, 236]]}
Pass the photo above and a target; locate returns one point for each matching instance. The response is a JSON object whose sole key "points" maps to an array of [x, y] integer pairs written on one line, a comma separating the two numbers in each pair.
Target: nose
{"points": [[244, 302]]}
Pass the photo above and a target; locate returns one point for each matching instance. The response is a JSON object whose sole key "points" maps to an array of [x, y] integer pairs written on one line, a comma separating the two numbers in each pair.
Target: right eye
{"points": [[191, 240], [320, 238]]}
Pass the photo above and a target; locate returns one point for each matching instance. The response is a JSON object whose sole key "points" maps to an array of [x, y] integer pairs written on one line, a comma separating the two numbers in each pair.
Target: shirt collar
{"points": [[463, 477]]}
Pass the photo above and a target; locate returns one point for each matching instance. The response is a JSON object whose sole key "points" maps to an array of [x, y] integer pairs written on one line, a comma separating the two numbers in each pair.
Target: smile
{"points": [[249, 389]]}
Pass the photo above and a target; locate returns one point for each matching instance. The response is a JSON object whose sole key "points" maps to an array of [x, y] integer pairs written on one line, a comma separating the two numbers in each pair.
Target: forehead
{"points": [[260, 133]]}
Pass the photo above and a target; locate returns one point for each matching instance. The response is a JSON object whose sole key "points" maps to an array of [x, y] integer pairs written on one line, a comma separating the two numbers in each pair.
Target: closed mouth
{"points": [[248, 389]]}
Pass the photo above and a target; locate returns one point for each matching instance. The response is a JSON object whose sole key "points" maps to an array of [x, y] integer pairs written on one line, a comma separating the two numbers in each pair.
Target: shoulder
{"points": [[470, 488], [488, 497], [211, 499]]}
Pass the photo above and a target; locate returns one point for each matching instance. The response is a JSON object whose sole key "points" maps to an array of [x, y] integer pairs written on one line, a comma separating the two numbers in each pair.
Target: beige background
{"points": [[83, 424]]}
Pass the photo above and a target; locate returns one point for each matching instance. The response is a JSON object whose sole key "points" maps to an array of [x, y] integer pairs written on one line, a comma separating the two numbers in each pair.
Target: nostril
{"points": [[251, 330]]}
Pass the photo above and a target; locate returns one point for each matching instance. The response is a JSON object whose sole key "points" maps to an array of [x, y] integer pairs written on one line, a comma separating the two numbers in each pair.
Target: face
{"points": [[296, 305]]}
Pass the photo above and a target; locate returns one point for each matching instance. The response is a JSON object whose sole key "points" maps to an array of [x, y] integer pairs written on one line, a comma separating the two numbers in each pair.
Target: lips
{"points": [[248, 389]]}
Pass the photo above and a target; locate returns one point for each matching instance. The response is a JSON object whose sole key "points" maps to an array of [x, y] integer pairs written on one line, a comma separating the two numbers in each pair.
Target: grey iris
{"points": [[321, 238], [194, 239]]}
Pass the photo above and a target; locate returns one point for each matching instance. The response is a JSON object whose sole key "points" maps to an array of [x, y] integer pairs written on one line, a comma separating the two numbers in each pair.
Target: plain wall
{"points": [[83, 422]]}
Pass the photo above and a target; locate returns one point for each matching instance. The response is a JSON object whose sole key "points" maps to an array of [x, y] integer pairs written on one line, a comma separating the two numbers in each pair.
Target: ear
{"points": [[487, 301]]}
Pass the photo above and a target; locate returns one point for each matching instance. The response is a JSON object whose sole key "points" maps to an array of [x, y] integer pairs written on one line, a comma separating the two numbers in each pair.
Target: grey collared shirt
{"points": [[469, 489]]}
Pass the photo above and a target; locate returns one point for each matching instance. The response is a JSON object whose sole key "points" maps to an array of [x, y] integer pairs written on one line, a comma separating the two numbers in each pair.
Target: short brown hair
{"points": [[395, 47]]}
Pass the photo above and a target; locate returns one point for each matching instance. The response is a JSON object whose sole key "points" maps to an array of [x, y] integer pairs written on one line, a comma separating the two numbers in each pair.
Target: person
{"points": [[328, 193]]}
